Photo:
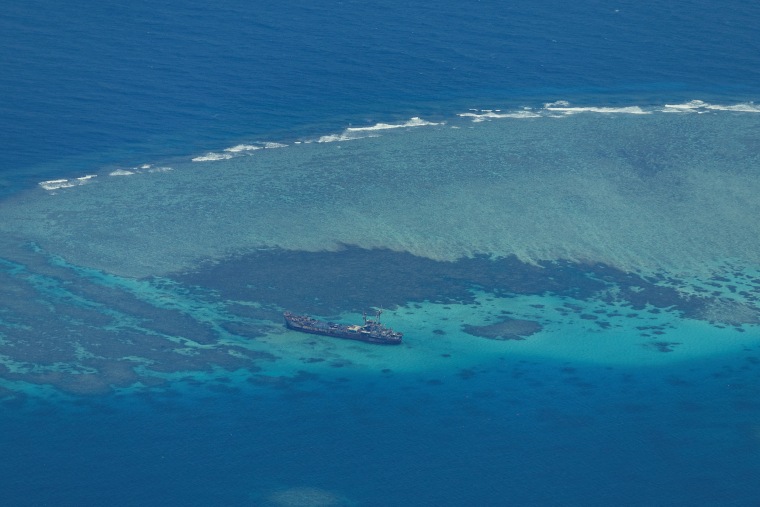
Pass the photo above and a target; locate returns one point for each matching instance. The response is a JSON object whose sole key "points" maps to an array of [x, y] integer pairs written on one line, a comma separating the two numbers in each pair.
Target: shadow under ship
{"points": [[371, 332]]}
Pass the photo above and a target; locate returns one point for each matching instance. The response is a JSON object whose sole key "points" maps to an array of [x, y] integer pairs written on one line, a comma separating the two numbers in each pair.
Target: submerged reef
{"points": [[82, 335], [352, 279], [306, 497], [83, 331], [508, 329], [643, 193], [137, 278]]}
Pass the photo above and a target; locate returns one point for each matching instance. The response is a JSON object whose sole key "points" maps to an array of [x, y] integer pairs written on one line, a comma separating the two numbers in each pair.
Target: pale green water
{"points": [[640, 192]]}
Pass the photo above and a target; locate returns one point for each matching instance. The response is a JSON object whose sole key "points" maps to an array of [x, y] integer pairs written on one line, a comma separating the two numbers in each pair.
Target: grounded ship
{"points": [[371, 332]]}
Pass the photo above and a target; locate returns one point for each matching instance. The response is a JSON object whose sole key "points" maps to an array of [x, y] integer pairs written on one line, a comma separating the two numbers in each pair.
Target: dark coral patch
{"points": [[508, 329], [54, 314], [662, 346]]}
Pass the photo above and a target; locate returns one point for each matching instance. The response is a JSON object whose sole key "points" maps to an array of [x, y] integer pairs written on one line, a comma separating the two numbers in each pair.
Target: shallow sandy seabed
{"points": [[306, 497], [637, 192]]}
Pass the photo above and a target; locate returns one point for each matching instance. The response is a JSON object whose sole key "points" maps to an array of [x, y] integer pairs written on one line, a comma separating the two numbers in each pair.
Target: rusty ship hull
{"points": [[371, 332]]}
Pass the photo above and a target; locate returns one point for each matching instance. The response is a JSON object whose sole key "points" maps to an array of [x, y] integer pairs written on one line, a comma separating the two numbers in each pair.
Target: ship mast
{"points": [[377, 317]]}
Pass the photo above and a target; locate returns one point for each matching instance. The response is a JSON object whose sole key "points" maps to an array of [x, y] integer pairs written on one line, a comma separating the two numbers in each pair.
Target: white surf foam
{"points": [[692, 106], [55, 184], [271, 145], [354, 133], [748, 107], [237, 150], [121, 172], [487, 114], [212, 156], [564, 107], [145, 168], [412, 122], [345, 136], [699, 106], [66, 183], [242, 148]]}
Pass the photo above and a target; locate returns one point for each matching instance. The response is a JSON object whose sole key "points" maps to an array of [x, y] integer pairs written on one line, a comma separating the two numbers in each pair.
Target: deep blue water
{"points": [[535, 434], [87, 85]]}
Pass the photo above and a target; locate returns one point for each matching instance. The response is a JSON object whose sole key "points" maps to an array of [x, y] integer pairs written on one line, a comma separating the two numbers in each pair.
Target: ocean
{"points": [[556, 204]]}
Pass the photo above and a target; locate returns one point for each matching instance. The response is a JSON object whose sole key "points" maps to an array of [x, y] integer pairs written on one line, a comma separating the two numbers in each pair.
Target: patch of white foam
{"points": [[693, 106], [145, 168], [66, 183], [242, 148], [487, 114], [121, 172], [413, 122], [564, 107], [55, 184], [699, 106], [212, 157], [748, 107], [239, 149], [354, 133], [345, 136]]}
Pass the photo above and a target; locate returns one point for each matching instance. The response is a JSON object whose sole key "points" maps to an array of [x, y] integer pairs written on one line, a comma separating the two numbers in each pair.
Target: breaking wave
{"points": [[560, 108], [564, 108], [66, 183]]}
